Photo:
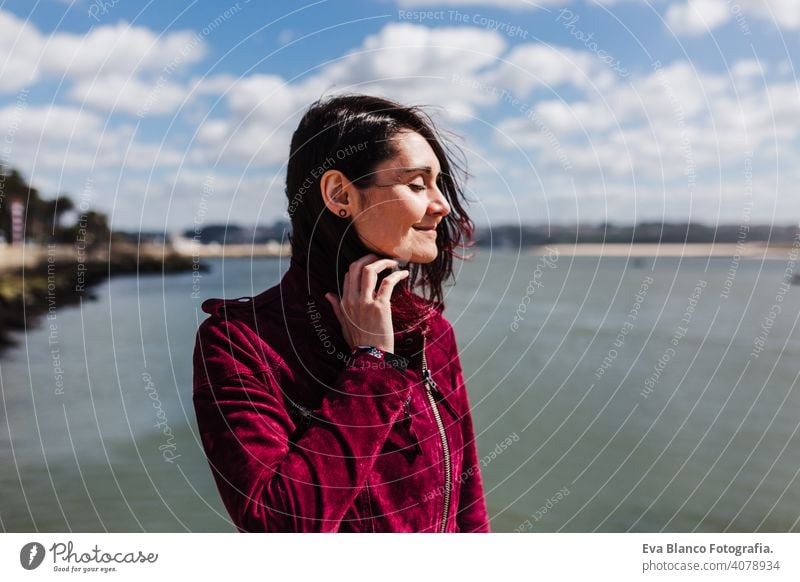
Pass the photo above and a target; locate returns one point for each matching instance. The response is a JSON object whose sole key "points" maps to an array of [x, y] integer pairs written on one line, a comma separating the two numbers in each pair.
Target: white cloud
{"points": [[664, 99], [405, 62], [56, 123], [785, 12], [213, 131], [610, 129], [533, 65], [684, 131], [21, 44], [749, 68], [120, 49], [69, 139], [785, 67], [193, 193], [695, 17], [417, 63], [573, 118], [119, 93], [678, 90], [213, 84]]}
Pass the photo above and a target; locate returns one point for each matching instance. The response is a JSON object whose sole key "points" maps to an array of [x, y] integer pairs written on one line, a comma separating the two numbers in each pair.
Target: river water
{"points": [[607, 395]]}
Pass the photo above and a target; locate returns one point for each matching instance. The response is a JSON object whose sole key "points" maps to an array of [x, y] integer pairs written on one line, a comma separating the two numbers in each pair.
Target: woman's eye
{"points": [[417, 187]]}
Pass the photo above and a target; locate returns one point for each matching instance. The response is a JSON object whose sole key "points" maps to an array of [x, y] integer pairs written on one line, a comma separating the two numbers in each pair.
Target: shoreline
{"points": [[36, 281], [745, 251]]}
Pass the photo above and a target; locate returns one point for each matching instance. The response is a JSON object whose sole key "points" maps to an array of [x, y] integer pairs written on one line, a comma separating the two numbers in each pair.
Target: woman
{"points": [[335, 400]]}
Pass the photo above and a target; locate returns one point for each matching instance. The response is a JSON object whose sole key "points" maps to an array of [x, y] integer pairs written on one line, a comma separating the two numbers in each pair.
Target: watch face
{"points": [[375, 352]]}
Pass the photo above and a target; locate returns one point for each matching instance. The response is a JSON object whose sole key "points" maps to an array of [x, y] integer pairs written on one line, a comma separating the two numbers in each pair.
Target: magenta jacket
{"points": [[303, 436]]}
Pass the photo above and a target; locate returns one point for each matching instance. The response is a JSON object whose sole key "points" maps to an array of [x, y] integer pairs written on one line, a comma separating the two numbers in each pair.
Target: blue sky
{"points": [[161, 114]]}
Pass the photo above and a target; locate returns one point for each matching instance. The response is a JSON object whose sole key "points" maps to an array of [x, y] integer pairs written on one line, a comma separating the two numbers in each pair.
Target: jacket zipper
{"points": [[430, 387]]}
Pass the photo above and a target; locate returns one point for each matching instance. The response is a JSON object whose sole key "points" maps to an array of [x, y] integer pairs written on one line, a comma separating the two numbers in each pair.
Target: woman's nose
{"points": [[439, 204]]}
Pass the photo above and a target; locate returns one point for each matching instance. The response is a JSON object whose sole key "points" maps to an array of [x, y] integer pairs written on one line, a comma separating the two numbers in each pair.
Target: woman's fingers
{"points": [[364, 314], [388, 284], [352, 282], [369, 277]]}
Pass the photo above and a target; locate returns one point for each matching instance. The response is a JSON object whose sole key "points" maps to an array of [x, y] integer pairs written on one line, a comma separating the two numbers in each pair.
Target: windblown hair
{"points": [[352, 133]]}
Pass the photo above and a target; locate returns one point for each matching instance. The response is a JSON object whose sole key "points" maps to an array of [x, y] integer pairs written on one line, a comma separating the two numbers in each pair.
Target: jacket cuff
{"points": [[376, 359]]}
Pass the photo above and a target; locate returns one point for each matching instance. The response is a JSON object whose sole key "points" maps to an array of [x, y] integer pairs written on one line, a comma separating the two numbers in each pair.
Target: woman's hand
{"points": [[364, 313]]}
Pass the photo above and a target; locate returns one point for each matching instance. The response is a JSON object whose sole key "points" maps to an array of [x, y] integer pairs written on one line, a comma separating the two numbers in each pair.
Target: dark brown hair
{"points": [[351, 133]]}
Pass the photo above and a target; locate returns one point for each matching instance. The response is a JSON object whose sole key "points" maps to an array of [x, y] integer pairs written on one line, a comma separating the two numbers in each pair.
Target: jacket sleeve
{"points": [[472, 515], [270, 482]]}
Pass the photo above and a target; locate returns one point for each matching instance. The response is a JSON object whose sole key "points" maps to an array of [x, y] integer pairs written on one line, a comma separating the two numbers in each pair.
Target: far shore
{"points": [[16, 257], [39, 279], [752, 251]]}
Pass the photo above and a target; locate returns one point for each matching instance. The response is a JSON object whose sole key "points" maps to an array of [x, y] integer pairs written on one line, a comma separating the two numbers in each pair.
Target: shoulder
{"points": [[228, 317], [233, 340], [240, 306]]}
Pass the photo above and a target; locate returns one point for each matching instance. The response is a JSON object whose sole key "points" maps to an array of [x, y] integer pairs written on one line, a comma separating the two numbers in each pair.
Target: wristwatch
{"points": [[371, 350], [393, 360]]}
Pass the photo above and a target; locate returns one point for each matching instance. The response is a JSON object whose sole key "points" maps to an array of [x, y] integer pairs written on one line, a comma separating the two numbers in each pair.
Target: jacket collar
{"points": [[299, 293]]}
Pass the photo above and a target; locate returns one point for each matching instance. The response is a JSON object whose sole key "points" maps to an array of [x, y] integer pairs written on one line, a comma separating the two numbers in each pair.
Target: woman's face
{"points": [[403, 207]]}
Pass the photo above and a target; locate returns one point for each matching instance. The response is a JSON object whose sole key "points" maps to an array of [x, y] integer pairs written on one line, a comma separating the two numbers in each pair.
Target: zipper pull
{"points": [[429, 381], [409, 427], [406, 411]]}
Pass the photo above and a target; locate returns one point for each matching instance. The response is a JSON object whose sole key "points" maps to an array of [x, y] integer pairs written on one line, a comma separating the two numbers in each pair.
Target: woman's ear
{"points": [[338, 193]]}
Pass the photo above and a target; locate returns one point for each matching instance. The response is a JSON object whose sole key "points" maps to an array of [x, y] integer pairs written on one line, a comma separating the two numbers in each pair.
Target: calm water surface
{"points": [[658, 396]]}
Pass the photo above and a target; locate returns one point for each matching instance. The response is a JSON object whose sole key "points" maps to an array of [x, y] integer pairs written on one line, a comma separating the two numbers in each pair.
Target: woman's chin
{"points": [[424, 257]]}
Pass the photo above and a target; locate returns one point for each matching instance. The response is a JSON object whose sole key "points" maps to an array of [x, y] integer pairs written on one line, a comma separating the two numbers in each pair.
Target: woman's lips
{"points": [[430, 230]]}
